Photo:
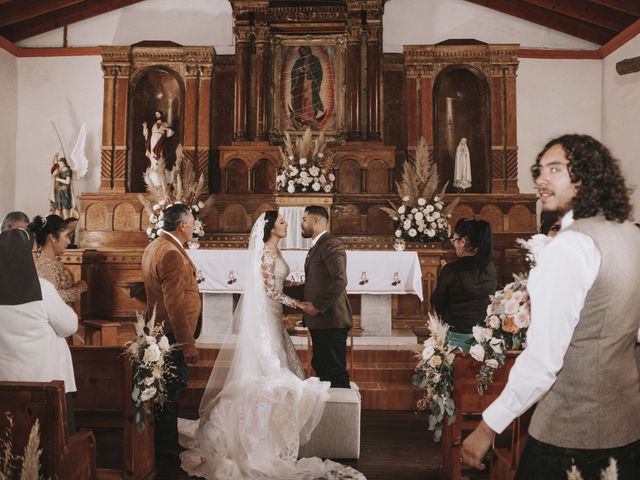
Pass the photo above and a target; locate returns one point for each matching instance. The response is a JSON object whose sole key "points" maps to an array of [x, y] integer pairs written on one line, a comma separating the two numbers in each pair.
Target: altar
{"points": [[376, 275]]}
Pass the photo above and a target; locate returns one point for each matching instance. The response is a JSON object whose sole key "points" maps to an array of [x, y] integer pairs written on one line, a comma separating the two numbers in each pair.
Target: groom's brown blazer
{"points": [[325, 284], [171, 285]]}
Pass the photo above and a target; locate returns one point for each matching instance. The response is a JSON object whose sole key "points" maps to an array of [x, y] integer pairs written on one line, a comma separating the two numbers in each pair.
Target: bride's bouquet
{"points": [[434, 375], [150, 369]]}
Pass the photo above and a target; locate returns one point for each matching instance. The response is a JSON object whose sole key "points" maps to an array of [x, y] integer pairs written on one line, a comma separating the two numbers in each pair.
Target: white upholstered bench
{"points": [[338, 433]]}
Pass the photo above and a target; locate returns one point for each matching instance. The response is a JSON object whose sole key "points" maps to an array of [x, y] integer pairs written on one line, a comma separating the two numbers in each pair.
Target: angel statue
{"points": [[62, 198], [155, 144], [462, 173]]}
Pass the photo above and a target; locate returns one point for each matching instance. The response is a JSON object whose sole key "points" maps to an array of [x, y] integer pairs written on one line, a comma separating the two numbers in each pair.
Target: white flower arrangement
{"points": [[305, 167], [422, 215], [150, 369], [179, 187], [434, 375], [508, 318], [156, 219]]}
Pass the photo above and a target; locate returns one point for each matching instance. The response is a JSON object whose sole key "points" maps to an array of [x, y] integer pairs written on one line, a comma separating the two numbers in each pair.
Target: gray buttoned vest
{"points": [[595, 400]]}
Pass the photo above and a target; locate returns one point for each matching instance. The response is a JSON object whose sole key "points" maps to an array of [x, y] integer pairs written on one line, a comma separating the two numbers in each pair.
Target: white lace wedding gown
{"points": [[253, 428]]}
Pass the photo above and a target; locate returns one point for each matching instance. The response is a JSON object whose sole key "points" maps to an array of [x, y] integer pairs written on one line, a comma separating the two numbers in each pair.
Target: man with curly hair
{"points": [[579, 364]]}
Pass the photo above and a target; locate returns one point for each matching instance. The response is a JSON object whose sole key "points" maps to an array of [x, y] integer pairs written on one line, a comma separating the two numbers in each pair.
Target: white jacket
{"points": [[32, 340]]}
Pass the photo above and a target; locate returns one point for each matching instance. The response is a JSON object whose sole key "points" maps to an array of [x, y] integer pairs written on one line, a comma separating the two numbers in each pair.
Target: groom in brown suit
{"points": [[327, 312], [170, 281]]}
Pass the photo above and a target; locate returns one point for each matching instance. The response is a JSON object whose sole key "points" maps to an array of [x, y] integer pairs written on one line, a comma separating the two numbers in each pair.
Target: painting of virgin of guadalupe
{"points": [[308, 87]]}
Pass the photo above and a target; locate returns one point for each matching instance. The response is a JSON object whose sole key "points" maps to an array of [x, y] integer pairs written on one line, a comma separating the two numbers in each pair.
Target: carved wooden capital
{"points": [[115, 70], [374, 34], [261, 34], [354, 33], [243, 34]]}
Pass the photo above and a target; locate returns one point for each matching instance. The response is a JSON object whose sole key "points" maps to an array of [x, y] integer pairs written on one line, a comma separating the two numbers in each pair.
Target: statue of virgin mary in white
{"points": [[462, 172]]}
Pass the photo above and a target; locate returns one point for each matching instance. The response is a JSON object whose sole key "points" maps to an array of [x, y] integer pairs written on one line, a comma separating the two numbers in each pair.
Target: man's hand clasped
{"points": [[308, 308]]}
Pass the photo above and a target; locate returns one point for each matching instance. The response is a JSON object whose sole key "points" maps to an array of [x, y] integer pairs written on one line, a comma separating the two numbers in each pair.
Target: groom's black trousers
{"points": [[330, 356]]}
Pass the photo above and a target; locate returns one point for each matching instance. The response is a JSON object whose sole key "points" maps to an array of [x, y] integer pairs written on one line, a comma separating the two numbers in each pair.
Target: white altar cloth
{"points": [[368, 272], [375, 275]]}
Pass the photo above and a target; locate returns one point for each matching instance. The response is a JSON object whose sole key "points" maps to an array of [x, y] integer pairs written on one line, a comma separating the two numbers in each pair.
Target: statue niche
{"points": [[156, 101], [461, 105]]}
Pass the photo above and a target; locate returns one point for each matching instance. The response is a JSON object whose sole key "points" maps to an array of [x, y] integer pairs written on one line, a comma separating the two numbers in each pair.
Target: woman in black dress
{"points": [[462, 293]]}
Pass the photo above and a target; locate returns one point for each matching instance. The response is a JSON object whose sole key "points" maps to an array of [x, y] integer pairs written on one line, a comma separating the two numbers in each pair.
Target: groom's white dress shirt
{"points": [[565, 271]]}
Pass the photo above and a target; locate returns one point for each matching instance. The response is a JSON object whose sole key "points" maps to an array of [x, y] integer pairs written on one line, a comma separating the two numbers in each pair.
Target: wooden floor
{"points": [[395, 446]]}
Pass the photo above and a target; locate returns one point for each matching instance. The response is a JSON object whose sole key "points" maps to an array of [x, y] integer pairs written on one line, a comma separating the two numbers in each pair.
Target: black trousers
{"points": [[543, 461], [166, 417], [330, 356]]}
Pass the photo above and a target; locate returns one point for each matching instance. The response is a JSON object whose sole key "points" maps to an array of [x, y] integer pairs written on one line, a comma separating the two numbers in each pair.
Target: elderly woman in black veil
{"points": [[34, 320]]}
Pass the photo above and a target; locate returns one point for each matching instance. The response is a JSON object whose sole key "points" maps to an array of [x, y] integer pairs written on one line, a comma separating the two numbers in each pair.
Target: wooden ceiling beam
{"points": [[18, 11], [632, 7], [62, 17], [589, 12], [541, 16]]}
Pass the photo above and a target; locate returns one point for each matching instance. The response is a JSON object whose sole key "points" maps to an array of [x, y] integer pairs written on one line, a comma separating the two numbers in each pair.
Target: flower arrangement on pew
{"points": [[305, 166], [508, 317], [422, 215], [150, 370], [434, 375], [180, 185]]}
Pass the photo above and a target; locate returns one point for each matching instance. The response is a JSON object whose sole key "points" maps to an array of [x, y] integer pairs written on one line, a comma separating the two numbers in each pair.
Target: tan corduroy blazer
{"points": [[171, 285]]}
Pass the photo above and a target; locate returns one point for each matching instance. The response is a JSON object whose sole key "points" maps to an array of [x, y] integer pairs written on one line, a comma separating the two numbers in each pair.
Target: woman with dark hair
{"points": [[258, 407], [52, 238], [462, 293]]}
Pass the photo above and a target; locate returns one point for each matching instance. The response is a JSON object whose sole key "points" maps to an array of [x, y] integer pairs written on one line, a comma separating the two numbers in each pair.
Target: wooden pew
{"points": [[469, 407], [506, 459], [103, 403], [63, 456]]}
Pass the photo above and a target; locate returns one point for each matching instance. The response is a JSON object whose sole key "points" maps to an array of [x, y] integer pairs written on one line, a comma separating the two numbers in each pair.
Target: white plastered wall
{"points": [[621, 116], [67, 91], [555, 97], [8, 118]]}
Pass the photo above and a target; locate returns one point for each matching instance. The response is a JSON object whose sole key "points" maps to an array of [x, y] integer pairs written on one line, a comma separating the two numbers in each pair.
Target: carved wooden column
{"points": [[261, 34], [354, 67], [504, 148], [197, 110], [243, 45], [116, 68], [374, 58]]}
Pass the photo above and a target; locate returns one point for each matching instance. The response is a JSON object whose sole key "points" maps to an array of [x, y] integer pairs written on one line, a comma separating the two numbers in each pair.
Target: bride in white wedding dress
{"points": [[258, 408]]}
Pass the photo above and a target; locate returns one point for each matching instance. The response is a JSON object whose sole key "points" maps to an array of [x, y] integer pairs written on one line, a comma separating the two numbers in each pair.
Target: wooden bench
{"points": [[103, 404], [101, 332], [63, 456], [469, 407]]}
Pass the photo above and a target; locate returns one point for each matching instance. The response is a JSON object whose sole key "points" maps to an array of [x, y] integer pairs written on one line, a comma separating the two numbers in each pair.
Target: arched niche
{"points": [[377, 177], [349, 178], [236, 176], [264, 176], [461, 103], [155, 89]]}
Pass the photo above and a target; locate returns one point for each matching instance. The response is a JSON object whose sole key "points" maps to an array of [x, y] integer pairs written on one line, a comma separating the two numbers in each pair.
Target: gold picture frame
{"points": [[308, 88]]}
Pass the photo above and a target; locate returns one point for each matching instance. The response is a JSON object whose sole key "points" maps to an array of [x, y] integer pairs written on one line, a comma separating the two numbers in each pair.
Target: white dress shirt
{"points": [[565, 271], [315, 240], [175, 238]]}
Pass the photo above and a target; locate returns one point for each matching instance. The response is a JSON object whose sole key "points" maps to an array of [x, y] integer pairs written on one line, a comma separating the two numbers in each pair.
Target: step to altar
{"points": [[382, 373]]}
